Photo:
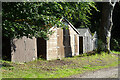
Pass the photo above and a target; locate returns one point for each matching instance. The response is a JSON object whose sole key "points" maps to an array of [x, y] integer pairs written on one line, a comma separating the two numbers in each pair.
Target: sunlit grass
{"points": [[59, 68], [116, 52]]}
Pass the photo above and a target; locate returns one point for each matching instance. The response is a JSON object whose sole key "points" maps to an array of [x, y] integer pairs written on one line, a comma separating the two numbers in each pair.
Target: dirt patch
{"points": [[116, 54], [60, 63], [53, 63], [48, 65]]}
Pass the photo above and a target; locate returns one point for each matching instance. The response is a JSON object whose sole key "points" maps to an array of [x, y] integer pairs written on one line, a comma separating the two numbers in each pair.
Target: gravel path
{"points": [[102, 73]]}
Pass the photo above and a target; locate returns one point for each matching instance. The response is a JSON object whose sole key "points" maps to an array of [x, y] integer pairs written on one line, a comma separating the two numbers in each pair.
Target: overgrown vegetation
{"points": [[59, 68]]}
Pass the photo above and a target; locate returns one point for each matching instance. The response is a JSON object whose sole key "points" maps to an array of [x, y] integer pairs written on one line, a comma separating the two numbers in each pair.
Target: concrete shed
{"points": [[85, 40], [62, 43], [23, 49]]}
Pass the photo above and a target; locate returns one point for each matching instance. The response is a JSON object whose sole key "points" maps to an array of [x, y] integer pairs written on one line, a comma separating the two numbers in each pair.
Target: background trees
{"points": [[115, 38], [107, 25]]}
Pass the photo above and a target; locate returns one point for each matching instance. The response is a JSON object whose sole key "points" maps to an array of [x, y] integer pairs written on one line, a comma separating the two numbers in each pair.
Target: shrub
{"points": [[115, 44]]}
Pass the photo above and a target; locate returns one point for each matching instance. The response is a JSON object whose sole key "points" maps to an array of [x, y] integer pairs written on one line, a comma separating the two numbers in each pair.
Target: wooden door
{"points": [[76, 44], [60, 47]]}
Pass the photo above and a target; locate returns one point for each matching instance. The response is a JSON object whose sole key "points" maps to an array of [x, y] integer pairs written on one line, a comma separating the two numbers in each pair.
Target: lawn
{"points": [[59, 68]]}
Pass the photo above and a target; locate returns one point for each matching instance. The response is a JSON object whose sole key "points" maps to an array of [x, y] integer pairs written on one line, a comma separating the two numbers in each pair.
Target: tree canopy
{"points": [[36, 18]]}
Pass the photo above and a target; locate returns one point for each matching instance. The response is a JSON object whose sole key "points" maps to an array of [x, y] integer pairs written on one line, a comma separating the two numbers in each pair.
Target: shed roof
{"points": [[65, 20], [95, 35], [82, 31], [71, 25]]}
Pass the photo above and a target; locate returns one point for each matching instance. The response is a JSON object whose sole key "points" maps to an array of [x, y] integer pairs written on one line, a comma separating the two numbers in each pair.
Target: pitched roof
{"points": [[82, 31], [95, 35], [65, 20], [71, 25]]}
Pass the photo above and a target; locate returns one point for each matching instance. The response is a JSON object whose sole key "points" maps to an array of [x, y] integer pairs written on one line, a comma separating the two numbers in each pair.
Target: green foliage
{"points": [[115, 44], [35, 19], [116, 52], [101, 46], [26, 19], [79, 13]]}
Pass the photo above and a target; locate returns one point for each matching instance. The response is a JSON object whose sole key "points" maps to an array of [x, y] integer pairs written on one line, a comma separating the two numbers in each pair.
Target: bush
{"points": [[101, 46], [115, 45]]}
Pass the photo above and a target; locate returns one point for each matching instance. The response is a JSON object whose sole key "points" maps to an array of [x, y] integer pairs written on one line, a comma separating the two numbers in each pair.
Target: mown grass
{"points": [[59, 68]]}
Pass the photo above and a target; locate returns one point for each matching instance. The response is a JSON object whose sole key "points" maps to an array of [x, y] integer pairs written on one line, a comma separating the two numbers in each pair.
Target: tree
{"points": [[104, 33], [115, 39], [27, 19], [35, 19], [79, 13]]}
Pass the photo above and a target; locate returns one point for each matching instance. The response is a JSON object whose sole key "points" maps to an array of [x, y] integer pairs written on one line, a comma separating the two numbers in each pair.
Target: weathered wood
{"points": [[60, 46], [52, 46], [76, 44], [85, 40], [62, 43], [24, 50]]}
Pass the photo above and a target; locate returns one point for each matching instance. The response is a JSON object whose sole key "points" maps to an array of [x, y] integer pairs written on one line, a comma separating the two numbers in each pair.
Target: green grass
{"points": [[59, 68], [116, 52]]}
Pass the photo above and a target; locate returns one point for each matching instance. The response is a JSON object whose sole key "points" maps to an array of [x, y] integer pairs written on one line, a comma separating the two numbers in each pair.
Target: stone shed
{"points": [[62, 43], [85, 40]]}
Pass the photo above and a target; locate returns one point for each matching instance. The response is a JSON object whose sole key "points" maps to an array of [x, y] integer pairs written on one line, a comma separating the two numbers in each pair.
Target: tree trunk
{"points": [[104, 33]]}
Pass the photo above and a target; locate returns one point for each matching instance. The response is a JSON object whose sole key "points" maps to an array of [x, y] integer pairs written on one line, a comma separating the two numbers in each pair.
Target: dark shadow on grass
{"points": [[90, 53], [6, 65]]}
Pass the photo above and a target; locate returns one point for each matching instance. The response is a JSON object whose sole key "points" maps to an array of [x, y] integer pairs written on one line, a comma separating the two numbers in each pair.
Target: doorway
{"points": [[41, 48], [80, 45]]}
